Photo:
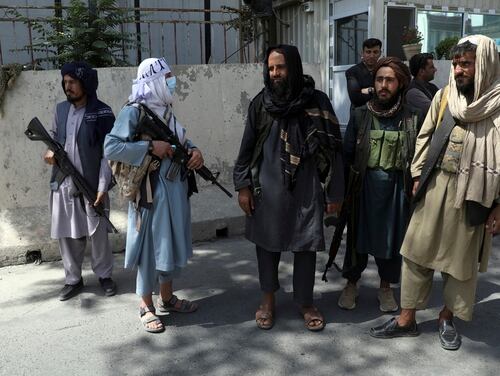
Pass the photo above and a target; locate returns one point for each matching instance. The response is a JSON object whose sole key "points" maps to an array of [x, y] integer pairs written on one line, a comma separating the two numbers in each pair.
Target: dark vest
{"points": [[90, 146], [411, 124], [428, 88]]}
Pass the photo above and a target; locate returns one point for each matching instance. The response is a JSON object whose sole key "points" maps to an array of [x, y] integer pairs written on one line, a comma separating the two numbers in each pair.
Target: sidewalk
{"points": [[96, 335]]}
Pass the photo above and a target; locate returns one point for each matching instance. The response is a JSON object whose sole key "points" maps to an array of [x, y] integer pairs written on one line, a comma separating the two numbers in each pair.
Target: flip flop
{"points": [[261, 316], [146, 320], [310, 317]]}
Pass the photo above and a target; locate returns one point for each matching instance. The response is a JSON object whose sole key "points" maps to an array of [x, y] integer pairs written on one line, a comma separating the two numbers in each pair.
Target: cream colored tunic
{"points": [[438, 236]]}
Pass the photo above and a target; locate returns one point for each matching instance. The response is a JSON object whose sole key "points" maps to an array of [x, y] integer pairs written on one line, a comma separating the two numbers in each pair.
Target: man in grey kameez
{"points": [[458, 209], [80, 124], [291, 140]]}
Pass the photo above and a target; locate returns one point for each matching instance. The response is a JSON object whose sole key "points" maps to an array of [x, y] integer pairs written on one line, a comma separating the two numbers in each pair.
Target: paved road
{"points": [[95, 335]]}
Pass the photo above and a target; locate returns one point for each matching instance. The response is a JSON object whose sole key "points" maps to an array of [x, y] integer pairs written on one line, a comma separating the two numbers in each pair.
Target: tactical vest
{"points": [[407, 136], [450, 159], [385, 148]]}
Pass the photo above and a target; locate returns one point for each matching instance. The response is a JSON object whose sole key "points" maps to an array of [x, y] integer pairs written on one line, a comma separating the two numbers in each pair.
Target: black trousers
{"points": [[304, 268], [388, 269]]}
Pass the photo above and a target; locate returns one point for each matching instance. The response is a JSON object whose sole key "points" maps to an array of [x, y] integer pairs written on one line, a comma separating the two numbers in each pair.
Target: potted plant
{"points": [[444, 47], [410, 40]]}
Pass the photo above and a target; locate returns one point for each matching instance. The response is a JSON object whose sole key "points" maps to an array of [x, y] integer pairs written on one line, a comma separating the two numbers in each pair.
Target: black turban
{"points": [[83, 72]]}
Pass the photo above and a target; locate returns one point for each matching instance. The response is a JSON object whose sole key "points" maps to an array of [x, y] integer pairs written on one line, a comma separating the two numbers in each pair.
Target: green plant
{"points": [[444, 47], [85, 32], [411, 35]]}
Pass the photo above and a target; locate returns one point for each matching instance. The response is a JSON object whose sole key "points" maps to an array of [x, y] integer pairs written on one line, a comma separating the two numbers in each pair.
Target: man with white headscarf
{"points": [[456, 171], [159, 232]]}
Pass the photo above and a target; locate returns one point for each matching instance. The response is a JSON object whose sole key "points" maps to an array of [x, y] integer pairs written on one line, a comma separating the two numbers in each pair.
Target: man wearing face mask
{"points": [[291, 144], [378, 148], [159, 225], [80, 125], [456, 172]]}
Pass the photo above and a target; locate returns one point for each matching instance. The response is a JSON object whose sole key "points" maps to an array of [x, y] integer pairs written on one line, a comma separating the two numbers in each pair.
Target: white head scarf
{"points": [[150, 89], [479, 171]]}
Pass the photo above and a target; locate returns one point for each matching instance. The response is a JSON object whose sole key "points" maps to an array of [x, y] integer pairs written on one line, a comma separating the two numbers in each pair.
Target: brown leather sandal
{"points": [[262, 316], [311, 314]]}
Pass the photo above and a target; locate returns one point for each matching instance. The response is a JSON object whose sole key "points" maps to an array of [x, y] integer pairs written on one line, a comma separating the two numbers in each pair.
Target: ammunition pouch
{"points": [[453, 151], [385, 149]]}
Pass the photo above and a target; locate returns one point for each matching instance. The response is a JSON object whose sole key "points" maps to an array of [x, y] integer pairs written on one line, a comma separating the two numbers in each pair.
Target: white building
{"points": [[331, 32]]}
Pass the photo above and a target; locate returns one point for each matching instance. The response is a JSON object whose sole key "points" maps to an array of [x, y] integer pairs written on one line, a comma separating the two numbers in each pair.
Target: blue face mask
{"points": [[171, 82]]}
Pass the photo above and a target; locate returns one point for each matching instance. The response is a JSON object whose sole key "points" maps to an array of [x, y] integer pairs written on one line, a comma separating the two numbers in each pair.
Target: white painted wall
{"points": [[211, 102]]}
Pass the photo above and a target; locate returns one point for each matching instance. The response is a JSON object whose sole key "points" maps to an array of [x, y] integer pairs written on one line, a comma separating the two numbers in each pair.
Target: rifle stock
{"points": [[37, 132], [347, 207]]}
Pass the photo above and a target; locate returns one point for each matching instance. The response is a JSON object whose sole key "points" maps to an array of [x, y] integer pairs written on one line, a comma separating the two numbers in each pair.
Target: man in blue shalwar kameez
{"points": [[159, 231]]}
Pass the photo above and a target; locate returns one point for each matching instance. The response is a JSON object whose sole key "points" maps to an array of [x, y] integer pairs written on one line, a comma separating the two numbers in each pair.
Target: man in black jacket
{"points": [[360, 77], [421, 90]]}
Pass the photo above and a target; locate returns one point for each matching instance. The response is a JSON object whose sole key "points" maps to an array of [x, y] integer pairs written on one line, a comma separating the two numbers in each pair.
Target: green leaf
{"points": [[100, 44]]}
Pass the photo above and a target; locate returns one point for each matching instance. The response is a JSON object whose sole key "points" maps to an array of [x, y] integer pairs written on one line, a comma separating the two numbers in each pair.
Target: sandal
{"points": [[262, 316], [311, 314], [171, 305], [147, 320]]}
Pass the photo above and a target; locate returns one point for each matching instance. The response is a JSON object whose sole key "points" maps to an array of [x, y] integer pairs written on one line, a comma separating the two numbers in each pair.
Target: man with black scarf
{"points": [[80, 125], [378, 147], [291, 144]]}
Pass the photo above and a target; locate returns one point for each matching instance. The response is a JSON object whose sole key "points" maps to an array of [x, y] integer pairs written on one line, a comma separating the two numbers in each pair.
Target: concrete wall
{"points": [[211, 102]]}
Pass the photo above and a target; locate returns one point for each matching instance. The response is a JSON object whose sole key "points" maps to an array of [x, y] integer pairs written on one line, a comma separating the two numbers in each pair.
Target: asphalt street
{"points": [[96, 335]]}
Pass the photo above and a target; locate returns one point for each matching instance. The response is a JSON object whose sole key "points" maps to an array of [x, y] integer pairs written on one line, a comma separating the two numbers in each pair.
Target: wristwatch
{"points": [[150, 147]]}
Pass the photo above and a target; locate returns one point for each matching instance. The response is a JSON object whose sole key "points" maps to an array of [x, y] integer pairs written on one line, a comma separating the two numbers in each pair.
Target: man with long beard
{"points": [[291, 144], [456, 173], [378, 149]]}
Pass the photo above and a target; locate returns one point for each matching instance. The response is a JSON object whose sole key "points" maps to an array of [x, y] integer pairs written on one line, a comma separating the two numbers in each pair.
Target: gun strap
{"points": [[438, 143]]}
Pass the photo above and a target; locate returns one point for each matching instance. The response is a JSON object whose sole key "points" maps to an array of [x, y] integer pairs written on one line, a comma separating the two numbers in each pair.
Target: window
{"points": [[436, 26], [350, 33], [397, 19], [486, 24]]}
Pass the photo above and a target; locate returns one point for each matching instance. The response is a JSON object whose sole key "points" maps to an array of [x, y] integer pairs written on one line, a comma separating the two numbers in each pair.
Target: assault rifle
{"points": [[37, 132], [341, 222], [154, 127]]}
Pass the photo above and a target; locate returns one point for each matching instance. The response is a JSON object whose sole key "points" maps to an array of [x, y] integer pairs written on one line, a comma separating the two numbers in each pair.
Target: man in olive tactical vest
{"points": [[378, 149], [80, 125], [456, 172]]}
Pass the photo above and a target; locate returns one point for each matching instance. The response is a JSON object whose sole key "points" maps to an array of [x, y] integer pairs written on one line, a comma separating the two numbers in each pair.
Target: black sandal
{"points": [[170, 305]]}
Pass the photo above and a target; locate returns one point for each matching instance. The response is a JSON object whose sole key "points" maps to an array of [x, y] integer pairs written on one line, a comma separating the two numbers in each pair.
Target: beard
{"points": [[388, 101], [465, 86], [73, 98], [280, 87]]}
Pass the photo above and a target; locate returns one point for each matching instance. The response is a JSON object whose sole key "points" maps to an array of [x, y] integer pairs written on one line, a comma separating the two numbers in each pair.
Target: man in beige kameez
{"points": [[442, 234]]}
